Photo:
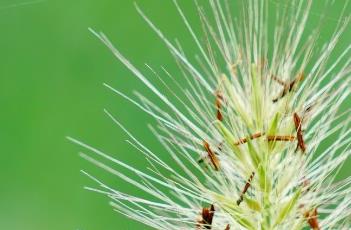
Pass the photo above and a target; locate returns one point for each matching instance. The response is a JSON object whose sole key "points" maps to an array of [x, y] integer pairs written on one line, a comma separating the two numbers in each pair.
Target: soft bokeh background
{"points": [[51, 71]]}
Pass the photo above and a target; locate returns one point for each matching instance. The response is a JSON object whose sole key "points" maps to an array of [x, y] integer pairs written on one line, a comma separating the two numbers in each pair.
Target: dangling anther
{"points": [[312, 219], [262, 63], [300, 140], [246, 187], [270, 138], [228, 227], [306, 184], [244, 140], [220, 146], [206, 218], [308, 109], [212, 156], [218, 103], [280, 138], [288, 87]]}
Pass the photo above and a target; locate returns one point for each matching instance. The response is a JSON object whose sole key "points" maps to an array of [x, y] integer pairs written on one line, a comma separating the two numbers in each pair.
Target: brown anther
{"points": [[212, 156], [206, 218], [308, 109], [244, 140], [300, 140], [218, 103], [228, 227], [312, 219], [281, 138], [262, 63], [306, 184], [307, 112], [278, 80], [299, 78], [246, 187], [288, 87], [270, 138], [220, 146], [234, 69]]}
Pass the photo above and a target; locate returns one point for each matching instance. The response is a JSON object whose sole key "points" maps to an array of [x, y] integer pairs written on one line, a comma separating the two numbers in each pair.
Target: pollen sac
{"points": [[312, 219], [218, 103], [227, 228], [206, 218], [300, 140], [292, 84], [288, 87], [251, 137], [307, 185], [246, 187], [280, 138], [212, 156]]}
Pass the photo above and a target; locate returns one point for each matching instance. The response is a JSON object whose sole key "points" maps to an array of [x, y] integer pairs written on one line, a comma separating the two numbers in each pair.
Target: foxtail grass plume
{"points": [[254, 124]]}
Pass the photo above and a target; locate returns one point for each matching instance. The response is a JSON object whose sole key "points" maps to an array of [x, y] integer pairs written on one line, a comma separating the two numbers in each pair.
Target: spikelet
{"points": [[255, 131]]}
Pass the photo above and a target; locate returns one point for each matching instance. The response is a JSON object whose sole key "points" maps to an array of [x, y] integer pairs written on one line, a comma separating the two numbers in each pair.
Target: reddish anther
{"points": [[281, 138], [244, 140], [218, 102], [288, 87], [307, 184], [300, 140], [206, 218], [246, 187], [212, 156], [312, 219], [269, 138]]}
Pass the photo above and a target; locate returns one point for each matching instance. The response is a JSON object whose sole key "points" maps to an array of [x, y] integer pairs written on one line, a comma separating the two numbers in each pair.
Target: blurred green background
{"points": [[51, 71]]}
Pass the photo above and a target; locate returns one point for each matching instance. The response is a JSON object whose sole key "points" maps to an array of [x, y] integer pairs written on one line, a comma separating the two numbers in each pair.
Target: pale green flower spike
{"points": [[254, 125]]}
